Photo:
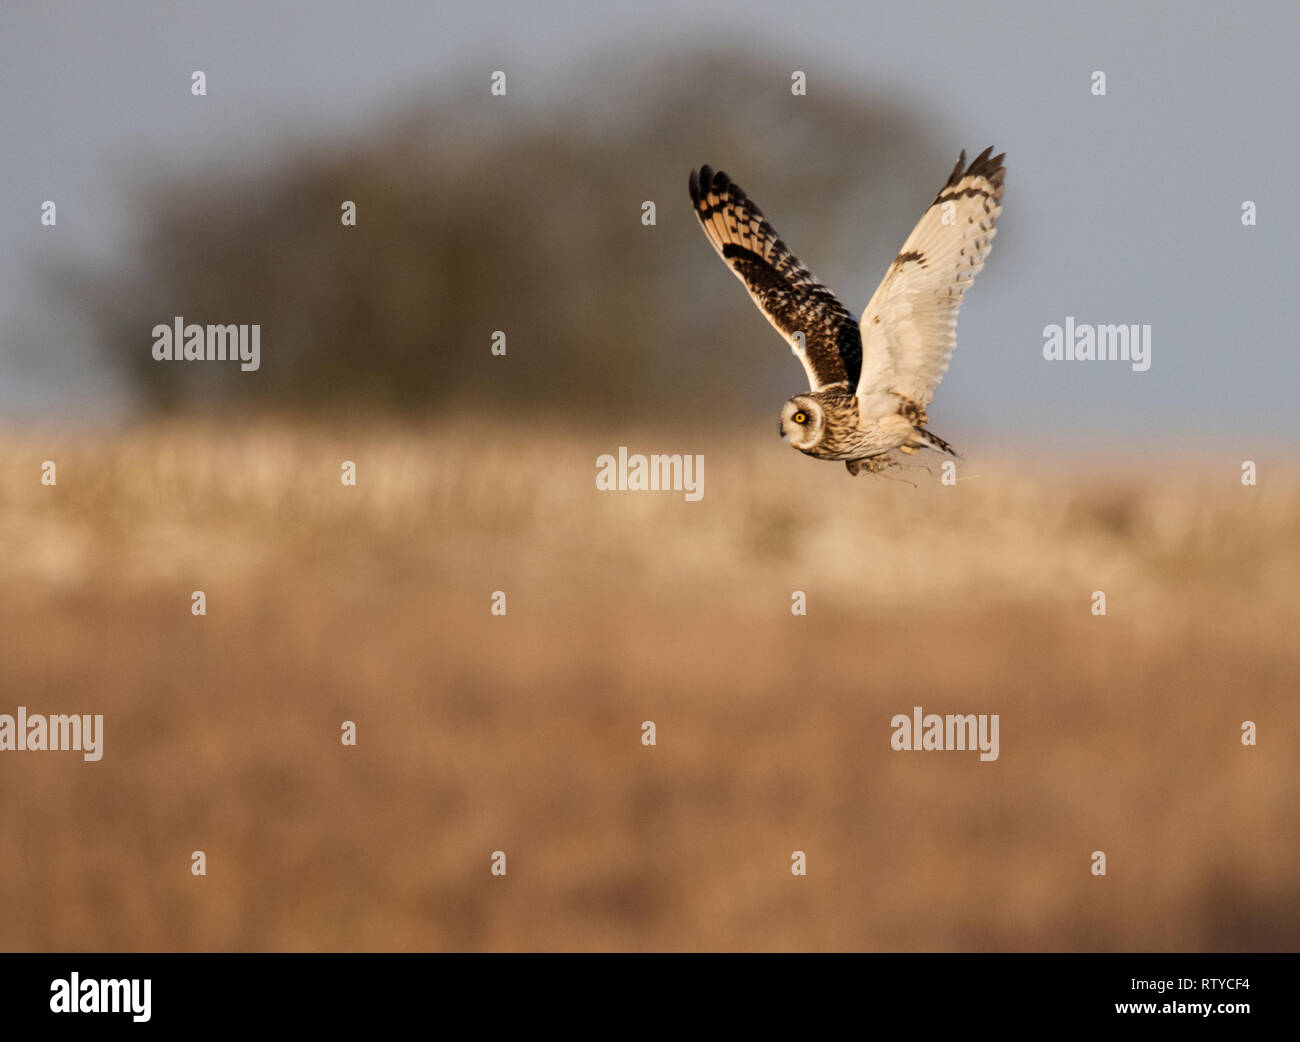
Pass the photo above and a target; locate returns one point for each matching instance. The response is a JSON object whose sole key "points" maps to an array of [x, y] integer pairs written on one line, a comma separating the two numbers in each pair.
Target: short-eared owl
{"points": [[871, 380]]}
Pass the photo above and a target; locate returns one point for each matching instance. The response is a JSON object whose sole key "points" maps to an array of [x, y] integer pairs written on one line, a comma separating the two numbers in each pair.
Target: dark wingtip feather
{"points": [[955, 176], [707, 180], [985, 165], [988, 165]]}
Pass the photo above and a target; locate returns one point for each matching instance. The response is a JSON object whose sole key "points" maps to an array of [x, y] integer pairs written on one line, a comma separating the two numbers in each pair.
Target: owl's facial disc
{"points": [[801, 422]]}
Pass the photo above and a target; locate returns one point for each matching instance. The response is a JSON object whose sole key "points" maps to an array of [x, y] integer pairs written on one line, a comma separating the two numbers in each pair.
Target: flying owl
{"points": [[870, 379]]}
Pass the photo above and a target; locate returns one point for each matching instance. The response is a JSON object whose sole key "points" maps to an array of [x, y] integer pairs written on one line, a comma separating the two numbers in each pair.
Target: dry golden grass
{"points": [[521, 733]]}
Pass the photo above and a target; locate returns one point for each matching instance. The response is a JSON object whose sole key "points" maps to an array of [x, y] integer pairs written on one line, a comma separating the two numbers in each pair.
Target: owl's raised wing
{"points": [[784, 290], [909, 328]]}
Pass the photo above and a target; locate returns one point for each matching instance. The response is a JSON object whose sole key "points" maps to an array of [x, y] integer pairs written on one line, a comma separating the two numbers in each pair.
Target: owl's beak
{"points": [[780, 429]]}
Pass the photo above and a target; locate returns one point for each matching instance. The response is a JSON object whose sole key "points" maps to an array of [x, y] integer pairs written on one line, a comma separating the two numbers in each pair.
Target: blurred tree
{"points": [[521, 214]]}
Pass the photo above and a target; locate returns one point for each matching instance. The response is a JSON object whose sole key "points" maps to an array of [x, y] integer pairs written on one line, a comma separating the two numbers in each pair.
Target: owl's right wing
{"points": [[784, 290], [909, 328]]}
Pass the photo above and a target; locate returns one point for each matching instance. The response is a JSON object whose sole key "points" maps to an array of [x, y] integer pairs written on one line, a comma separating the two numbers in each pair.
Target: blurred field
{"points": [[521, 733]]}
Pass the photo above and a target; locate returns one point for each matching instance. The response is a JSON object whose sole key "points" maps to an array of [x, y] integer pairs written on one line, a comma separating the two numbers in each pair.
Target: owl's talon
{"points": [[871, 464]]}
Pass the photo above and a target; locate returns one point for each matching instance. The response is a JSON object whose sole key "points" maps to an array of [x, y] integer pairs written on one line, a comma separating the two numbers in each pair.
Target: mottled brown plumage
{"points": [[870, 381]]}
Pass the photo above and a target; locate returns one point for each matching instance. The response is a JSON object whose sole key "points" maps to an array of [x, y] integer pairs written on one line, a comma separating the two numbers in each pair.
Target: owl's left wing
{"points": [[821, 331], [909, 328]]}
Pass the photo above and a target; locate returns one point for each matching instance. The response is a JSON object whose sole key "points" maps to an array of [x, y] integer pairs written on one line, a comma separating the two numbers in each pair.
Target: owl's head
{"points": [[803, 422]]}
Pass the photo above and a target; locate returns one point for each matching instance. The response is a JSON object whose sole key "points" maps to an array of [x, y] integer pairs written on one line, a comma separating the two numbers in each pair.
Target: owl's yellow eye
{"points": [[800, 417]]}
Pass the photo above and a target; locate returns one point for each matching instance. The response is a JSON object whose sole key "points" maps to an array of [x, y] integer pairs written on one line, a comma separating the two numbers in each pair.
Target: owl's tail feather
{"points": [[922, 438]]}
